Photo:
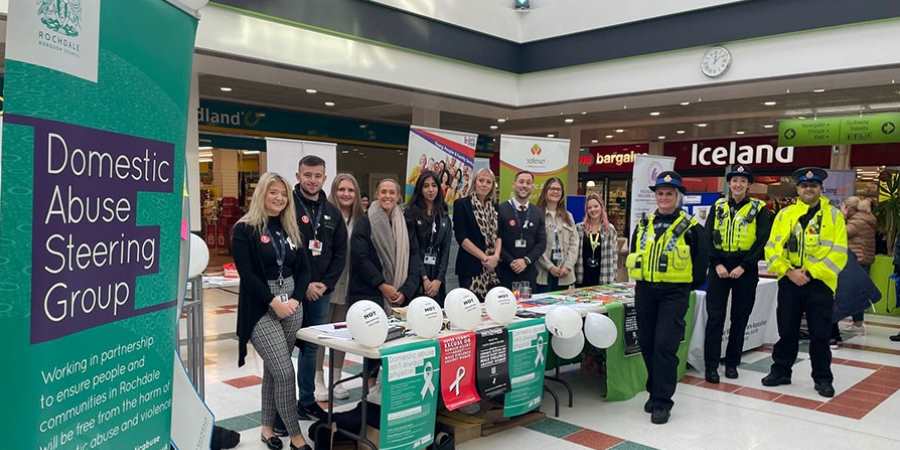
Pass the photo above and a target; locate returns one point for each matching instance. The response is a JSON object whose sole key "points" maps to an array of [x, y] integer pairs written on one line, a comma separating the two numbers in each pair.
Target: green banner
{"points": [[409, 391], [528, 342], [90, 202], [867, 129]]}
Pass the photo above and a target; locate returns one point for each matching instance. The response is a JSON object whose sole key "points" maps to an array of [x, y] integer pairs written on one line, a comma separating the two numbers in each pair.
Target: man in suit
{"points": [[521, 230]]}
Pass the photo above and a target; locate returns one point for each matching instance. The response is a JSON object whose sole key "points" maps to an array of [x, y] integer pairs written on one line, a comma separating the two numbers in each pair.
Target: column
{"points": [[426, 117], [656, 148], [840, 157]]}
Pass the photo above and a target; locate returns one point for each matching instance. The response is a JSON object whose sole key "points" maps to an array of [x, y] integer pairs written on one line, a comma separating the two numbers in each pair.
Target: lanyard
{"points": [[523, 217], [594, 239], [318, 218], [434, 230], [278, 246]]}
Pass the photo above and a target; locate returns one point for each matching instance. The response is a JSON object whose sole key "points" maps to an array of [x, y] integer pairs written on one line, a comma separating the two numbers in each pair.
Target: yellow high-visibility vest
{"points": [[665, 258]]}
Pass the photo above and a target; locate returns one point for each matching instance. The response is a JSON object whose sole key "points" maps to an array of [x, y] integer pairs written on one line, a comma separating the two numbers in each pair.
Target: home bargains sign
{"points": [[614, 158], [757, 152]]}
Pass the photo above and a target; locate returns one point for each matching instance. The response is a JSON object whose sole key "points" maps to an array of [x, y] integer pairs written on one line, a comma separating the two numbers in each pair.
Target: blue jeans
{"points": [[314, 313]]}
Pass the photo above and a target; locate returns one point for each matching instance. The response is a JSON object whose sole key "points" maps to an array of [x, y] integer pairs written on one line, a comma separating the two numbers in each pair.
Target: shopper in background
{"points": [[522, 234], [806, 250], [344, 195], [556, 267], [896, 337], [597, 256], [382, 255], [364, 201], [274, 274], [669, 256], [429, 223], [861, 228], [738, 228], [475, 228]]}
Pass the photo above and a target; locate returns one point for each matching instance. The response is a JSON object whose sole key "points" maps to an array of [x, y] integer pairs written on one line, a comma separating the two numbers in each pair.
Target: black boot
{"points": [[659, 415], [712, 375], [731, 372], [773, 379], [825, 388]]}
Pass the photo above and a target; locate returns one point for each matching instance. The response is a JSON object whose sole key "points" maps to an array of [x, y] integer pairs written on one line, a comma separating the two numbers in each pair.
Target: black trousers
{"points": [[817, 301], [508, 277], [660, 309], [743, 295]]}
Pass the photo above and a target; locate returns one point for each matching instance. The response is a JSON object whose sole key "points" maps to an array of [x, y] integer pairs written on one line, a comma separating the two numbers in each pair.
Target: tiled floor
{"points": [[735, 414]]}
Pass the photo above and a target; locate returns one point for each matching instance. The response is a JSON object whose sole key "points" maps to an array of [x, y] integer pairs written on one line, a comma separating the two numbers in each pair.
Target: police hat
{"points": [[670, 179], [739, 171], [810, 175]]}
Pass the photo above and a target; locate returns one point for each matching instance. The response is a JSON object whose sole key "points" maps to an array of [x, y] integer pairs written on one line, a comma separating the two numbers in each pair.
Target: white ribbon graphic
{"points": [[460, 373], [539, 359], [429, 386]]}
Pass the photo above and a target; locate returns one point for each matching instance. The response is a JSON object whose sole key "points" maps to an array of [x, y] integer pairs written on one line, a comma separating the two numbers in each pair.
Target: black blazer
{"points": [[366, 270], [420, 230], [511, 228], [465, 227], [254, 295]]}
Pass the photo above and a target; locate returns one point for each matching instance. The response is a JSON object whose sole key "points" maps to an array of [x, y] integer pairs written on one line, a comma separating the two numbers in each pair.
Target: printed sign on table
{"points": [[632, 345], [493, 370], [409, 395], [458, 370], [527, 362]]}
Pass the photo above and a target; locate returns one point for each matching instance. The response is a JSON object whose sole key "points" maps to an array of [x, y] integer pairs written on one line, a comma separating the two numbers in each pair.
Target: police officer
{"points": [[807, 249], [669, 256], [520, 227], [738, 230]]}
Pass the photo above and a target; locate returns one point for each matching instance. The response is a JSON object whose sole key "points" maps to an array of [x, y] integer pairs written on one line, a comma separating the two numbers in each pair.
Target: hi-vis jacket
{"points": [[665, 258], [736, 230], [820, 247]]}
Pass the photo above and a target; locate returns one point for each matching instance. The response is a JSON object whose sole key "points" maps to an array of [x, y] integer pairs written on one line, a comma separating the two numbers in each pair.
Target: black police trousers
{"points": [[743, 295], [660, 309], [817, 301]]}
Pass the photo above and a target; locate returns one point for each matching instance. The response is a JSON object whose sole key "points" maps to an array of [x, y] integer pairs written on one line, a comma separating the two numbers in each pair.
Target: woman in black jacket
{"points": [[428, 221], [274, 271], [475, 227], [383, 258]]}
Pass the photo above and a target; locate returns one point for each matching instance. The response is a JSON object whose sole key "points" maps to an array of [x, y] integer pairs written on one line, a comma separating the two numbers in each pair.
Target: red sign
{"points": [[458, 370], [615, 158], [756, 152]]}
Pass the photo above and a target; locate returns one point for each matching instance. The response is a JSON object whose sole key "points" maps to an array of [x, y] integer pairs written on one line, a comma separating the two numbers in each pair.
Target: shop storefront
{"points": [[606, 170]]}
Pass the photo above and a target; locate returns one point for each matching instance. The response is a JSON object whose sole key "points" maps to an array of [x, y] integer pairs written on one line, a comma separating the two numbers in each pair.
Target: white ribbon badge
{"points": [[429, 386], [460, 373], [539, 359]]}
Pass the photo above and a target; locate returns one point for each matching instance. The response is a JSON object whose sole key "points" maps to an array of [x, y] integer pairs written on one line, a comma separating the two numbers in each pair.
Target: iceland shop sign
{"points": [[754, 151]]}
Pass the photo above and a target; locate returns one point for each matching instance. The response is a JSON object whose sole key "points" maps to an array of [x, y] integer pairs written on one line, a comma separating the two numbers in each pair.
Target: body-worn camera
{"points": [[663, 263]]}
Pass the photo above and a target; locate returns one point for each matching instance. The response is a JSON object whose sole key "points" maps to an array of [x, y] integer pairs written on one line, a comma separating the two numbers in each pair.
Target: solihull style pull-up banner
{"points": [[96, 103]]}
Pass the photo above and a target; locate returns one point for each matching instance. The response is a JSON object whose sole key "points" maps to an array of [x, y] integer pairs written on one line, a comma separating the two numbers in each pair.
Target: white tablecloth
{"points": [[762, 328]]}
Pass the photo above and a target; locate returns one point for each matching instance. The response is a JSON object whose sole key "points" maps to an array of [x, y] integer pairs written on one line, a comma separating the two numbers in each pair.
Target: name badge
{"points": [[521, 243], [556, 256], [283, 298], [315, 246], [430, 258]]}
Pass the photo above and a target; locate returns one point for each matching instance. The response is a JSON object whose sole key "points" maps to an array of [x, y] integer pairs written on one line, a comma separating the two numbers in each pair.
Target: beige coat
{"points": [[568, 243], [861, 236]]}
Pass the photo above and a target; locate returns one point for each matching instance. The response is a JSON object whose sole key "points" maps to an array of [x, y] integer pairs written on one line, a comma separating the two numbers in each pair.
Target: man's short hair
{"points": [[524, 172], [311, 161]]}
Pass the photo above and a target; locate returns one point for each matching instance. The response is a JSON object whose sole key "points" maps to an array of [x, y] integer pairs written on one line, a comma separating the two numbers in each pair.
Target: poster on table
{"points": [[458, 370], [492, 370], [94, 131], [449, 154], [544, 157], [643, 201], [409, 395], [528, 341], [283, 157], [839, 185], [630, 331]]}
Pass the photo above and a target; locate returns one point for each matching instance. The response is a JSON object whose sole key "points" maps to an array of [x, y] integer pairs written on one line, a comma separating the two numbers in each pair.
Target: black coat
{"points": [[420, 230], [510, 228], [254, 295], [366, 270], [328, 266], [466, 227]]}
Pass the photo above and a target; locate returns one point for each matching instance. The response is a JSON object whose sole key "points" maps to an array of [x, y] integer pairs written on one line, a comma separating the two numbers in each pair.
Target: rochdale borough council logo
{"points": [[61, 16]]}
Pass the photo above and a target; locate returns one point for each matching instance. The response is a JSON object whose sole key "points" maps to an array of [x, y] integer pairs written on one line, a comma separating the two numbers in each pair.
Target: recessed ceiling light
{"points": [[768, 125], [345, 151], [819, 91], [787, 91], [739, 132], [569, 120], [770, 103], [584, 113], [551, 135], [684, 103], [654, 113], [501, 120], [619, 130], [494, 127], [225, 89], [594, 141], [205, 147], [329, 104], [680, 131], [609, 136], [702, 125], [311, 91], [660, 137]]}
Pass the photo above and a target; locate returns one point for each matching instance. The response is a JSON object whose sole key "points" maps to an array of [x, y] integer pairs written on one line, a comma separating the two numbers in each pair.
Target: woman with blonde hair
{"points": [[475, 229], [597, 258], [556, 267], [274, 271]]}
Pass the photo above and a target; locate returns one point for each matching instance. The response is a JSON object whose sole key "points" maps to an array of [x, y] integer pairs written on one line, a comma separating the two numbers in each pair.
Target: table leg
{"points": [[555, 400]]}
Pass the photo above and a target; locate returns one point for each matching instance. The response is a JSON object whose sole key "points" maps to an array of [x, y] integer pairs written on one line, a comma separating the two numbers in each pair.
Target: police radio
{"points": [[663, 263]]}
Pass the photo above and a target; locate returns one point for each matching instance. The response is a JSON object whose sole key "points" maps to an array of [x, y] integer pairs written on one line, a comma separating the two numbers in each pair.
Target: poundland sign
{"points": [[757, 152]]}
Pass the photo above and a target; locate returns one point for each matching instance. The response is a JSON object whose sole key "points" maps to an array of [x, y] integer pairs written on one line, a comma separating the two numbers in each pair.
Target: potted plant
{"points": [[888, 215]]}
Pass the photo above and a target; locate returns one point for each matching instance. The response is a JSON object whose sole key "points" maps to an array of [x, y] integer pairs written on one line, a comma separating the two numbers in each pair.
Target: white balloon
{"points": [[425, 317], [600, 330], [463, 309], [563, 322], [199, 256], [501, 305], [568, 348], [368, 323]]}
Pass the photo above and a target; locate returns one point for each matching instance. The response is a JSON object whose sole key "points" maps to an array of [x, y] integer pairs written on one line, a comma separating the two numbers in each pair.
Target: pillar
{"points": [[426, 117], [840, 157]]}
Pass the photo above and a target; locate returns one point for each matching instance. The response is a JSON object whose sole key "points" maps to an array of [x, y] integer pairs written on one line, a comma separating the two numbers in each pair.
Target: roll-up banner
{"points": [[283, 157], [96, 103], [449, 154], [544, 157], [646, 168]]}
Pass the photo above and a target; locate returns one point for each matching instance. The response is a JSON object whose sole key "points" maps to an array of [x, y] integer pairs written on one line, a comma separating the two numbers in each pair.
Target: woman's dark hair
{"points": [[418, 197]]}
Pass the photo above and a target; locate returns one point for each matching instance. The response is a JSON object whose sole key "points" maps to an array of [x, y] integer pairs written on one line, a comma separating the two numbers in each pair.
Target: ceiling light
{"points": [[569, 120], [819, 90], [680, 131], [798, 112], [770, 103], [684, 103], [594, 141], [206, 147], [501, 120], [839, 109], [329, 104], [584, 113], [654, 113], [345, 151], [225, 89], [494, 127], [609, 136], [739, 132], [551, 135], [311, 91], [205, 160], [702, 125], [619, 130], [885, 106], [768, 125], [660, 137]]}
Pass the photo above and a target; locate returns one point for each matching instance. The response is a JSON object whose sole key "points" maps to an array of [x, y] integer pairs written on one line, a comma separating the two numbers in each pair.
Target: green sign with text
{"points": [[868, 129]]}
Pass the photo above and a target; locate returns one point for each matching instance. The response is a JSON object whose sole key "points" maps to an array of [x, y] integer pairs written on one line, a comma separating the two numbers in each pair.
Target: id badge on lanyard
{"points": [[278, 247], [315, 245], [556, 255], [523, 217]]}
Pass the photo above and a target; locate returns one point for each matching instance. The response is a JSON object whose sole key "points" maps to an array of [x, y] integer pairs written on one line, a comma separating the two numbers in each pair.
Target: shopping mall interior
{"points": [[698, 80]]}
